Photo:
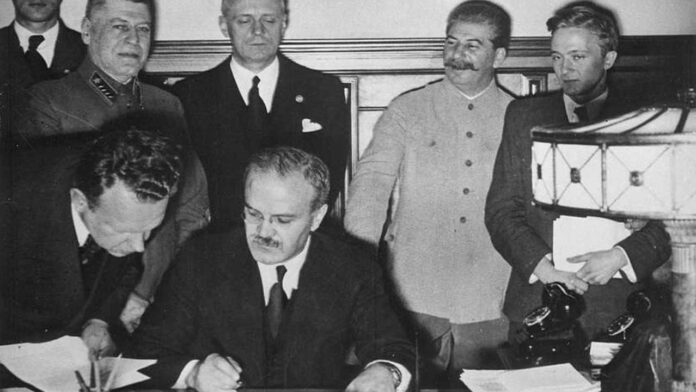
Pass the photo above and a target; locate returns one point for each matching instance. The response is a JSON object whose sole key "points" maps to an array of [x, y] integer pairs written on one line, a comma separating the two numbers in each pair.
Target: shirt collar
{"points": [[594, 107], [267, 86], [80, 228], [475, 96], [46, 48], [292, 276]]}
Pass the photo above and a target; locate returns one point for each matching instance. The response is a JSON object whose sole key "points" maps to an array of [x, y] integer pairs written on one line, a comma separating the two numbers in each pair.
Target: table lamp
{"points": [[638, 165]]}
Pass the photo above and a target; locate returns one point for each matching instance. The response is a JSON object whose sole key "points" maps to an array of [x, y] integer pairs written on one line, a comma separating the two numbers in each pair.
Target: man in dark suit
{"points": [[76, 233], [231, 117], [275, 304], [37, 45], [583, 48]]}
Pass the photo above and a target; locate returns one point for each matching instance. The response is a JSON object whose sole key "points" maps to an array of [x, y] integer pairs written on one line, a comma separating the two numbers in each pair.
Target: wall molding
{"points": [[416, 55]]}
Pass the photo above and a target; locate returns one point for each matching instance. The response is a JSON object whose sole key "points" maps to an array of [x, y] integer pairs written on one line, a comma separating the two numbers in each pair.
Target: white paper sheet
{"points": [[553, 378], [573, 236], [51, 366]]}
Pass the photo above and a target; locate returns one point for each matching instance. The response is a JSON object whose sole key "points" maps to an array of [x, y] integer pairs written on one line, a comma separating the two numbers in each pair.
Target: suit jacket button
{"points": [[465, 191], [468, 162], [462, 219], [469, 134]]}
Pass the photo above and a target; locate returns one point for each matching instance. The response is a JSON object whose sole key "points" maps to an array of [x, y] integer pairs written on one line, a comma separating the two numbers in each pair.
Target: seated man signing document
{"points": [[275, 304]]}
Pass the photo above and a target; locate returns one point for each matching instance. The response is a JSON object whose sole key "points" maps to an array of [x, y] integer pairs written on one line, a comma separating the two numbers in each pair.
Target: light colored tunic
{"points": [[441, 147]]}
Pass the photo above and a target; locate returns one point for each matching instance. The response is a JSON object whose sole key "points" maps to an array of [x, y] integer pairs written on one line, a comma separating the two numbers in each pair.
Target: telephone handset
{"points": [[552, 329]]}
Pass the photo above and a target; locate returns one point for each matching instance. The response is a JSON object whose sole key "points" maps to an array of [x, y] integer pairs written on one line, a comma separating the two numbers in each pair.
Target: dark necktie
{"points": [[276, 303], [257, 109], [581, 112], [90, 264], [37, 64], [88, 250]]}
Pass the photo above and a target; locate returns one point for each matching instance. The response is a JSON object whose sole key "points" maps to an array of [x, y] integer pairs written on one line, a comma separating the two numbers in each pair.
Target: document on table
{"points": [[51, 366], [573, 236], [553, 378]]}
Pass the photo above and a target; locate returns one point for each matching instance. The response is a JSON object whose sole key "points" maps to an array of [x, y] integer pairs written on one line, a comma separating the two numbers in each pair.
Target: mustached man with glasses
{"points": [[275, 304]]}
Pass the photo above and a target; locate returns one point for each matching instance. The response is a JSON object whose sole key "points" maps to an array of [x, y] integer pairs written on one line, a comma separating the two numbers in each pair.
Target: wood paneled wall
{"points": [[378, 70]]}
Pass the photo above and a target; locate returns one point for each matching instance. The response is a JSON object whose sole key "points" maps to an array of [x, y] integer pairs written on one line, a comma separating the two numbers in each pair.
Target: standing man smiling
{"points": [[259, 98], [437, 146]]}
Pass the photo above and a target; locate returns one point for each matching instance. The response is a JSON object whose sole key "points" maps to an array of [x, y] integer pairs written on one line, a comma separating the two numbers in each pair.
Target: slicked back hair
{"points": [[589, 16], [224, 6], [92, 4], [148, 164], [286, 161], [484, 12]]}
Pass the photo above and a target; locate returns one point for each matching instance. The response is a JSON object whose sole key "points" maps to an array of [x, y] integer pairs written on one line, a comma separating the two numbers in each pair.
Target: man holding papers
{"points": [[277, 304], [584, 45]]}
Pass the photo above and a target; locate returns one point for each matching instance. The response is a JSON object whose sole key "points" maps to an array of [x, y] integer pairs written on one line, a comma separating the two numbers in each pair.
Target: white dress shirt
{"points": [[267, 85], [46, 49], [80, 228], [594, 107], [269, 276]]}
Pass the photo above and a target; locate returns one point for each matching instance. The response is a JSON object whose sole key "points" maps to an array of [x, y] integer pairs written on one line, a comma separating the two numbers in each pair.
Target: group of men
{"points": [[113, 181]]}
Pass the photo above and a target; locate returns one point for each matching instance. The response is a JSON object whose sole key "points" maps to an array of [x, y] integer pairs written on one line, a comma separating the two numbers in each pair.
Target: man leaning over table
{"points": [[275, 304], [104, 92], [72, 249]]}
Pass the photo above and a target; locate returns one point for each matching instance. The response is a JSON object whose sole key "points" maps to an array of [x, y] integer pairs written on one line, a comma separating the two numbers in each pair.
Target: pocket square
{"points": [[310, 126]]}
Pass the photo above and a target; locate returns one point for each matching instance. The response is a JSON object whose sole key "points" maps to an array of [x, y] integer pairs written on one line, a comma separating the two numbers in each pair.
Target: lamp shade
{"points": [[640, 165]]}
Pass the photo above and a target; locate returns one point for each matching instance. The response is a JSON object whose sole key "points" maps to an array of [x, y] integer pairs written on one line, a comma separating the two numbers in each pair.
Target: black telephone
{"points": [[553, 330], [638, 307]]}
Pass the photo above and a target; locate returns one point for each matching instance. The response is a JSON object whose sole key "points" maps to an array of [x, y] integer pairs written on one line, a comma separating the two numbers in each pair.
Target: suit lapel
{"points": [[60, 246], [230, 108], [63, 53], [315, 285], [239, 292], [18, 67], [557, 112], [283, 118]]}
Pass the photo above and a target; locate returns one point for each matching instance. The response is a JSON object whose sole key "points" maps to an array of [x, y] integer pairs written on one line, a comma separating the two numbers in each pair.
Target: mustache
{"points": [[267, 242], [460, 65]]}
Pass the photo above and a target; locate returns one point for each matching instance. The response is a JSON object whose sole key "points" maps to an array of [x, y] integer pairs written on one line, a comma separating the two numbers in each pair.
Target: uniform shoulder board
{"points": [[102, 87]]}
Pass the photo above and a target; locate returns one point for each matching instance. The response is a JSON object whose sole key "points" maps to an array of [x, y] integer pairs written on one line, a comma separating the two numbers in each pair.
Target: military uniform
{"points": [[89, 100]]}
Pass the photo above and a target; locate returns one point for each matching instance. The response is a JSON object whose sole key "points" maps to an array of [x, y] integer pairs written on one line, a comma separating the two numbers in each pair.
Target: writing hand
{"points": [[375, 378], [96, 337], [547, 273], [215, 373], [599, 266]]}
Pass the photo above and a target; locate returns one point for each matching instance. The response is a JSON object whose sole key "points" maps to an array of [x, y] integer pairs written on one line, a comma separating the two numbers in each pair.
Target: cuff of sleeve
{"points": [[533, 278], [405, 374], [627, 270], [141, 299], [181, 381], [96, 321]]}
